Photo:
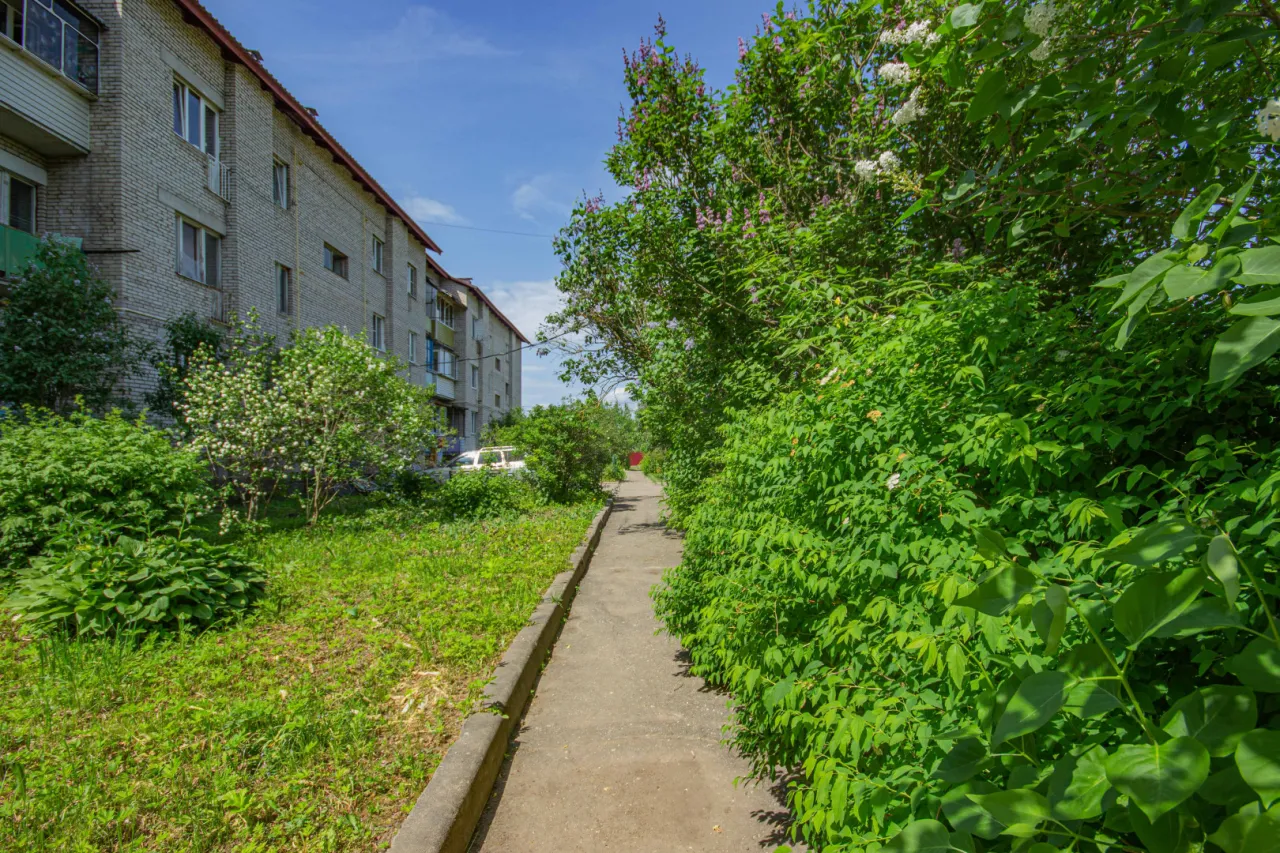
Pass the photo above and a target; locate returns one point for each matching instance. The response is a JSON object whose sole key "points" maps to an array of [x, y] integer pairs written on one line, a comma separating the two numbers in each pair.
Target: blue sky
{"points": [[491, 115]]}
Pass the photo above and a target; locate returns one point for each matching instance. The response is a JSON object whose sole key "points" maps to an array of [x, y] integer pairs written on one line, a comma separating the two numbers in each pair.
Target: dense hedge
{"points": [[957, 321]]}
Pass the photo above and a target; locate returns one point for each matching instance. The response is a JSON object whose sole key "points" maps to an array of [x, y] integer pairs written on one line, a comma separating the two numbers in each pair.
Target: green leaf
{"points": [[990, 543], [1154, 544], [1258, 666], [1019, 807], [1204, 614], [1237, 202], [1159, 777], [967, 182], [1243, 347], [1259, 305], [962, 762], [1141, 276], [1217, 716], [1187, 224], [1002, 591], [988, 92], [966, 815], [1258, 758], [1056, 598], [1221, 560], [778, 692], [1154, 599], [1184, 282], [1259, 266], [957, 664], [1163, 835], [966, 15], [1078, 784], [923, 836], [1036, 701], [1249, 831]]}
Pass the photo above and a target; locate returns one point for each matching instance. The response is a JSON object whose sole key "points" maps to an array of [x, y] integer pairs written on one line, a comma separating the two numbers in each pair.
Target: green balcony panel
{"points": [[16, 248]]}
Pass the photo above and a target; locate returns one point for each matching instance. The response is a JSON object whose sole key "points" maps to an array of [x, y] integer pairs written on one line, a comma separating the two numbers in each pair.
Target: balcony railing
{"points": [[62, 36], [220, 178], [446, 387], [16, 249]]}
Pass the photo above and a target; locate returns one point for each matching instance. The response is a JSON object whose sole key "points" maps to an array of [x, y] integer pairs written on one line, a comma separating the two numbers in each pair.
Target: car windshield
{"points": [[464, 459]]}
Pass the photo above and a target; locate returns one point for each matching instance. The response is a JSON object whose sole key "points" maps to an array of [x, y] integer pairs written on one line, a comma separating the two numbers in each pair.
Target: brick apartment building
{"points": [[195, 181]]}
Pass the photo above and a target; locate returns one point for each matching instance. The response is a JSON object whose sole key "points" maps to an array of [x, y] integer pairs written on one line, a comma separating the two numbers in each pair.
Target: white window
{"points": [[413, 282], [56, 32], [413, 347], [445, 362], [17, 202], [199, 252], [377, 255], [195, 119], [444, 312], [284, 289], [335, 261], [475, 376], [378, 332], [280, 184]]}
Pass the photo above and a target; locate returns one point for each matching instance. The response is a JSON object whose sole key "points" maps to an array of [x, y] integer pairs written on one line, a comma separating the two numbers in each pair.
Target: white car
{"points": [[503, 460]]}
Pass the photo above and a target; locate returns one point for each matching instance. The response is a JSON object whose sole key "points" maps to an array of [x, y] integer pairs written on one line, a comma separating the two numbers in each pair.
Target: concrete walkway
{"points": [[621, 748]]}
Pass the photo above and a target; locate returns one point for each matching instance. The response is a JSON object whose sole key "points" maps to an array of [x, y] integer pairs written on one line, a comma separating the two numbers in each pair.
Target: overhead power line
{"points": [[486, 230]]}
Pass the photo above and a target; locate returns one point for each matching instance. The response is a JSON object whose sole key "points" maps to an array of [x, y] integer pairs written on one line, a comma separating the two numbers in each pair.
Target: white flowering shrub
{"points": [[311, 417]]}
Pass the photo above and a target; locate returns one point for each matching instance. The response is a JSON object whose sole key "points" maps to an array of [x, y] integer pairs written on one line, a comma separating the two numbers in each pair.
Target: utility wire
{"points": [[517, 349]]}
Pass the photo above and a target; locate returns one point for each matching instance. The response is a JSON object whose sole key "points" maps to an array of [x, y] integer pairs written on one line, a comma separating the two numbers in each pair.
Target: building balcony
{"points": [[16, 249], [446, 386], [219, 179], [442, 333]]}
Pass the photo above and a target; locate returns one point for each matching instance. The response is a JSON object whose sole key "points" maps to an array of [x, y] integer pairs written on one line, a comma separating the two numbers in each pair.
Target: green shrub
{"points": [[117, 473], [60, 335], [566, 449], [614, 471], [102, 586], [412, 485], [652, 463], [485, 494]]}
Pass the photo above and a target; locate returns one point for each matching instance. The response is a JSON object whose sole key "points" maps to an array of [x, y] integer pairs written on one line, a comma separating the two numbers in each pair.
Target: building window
{"points": [[446, 364], [377, 255], [199, 253], [335, 261], [508, 390], [413, 347], [378, 332], [475, 376], [413, 282], [497, 364], [280, 184], [56, 32], [444, 312], [497, 401], [195, 119], [284, 289], [17, 203]]}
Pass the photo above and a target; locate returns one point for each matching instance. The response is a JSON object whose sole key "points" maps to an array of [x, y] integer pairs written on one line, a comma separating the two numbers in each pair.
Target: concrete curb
{"points": [[447, 812]]}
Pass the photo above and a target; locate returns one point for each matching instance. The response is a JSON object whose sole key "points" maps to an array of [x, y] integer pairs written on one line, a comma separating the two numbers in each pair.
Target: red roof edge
{"points": [[197, 14], [467, 283]]}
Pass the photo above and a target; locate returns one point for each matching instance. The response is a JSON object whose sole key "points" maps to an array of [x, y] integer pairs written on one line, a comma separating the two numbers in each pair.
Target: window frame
{"points": [[378, 255], [475, 376], [185, 94], [445, 314], [284, 290], [281, 193], [497, 401], [7, 180], [333, 259], [203, 237], [378, 332], [413, 347], [413, 281]]}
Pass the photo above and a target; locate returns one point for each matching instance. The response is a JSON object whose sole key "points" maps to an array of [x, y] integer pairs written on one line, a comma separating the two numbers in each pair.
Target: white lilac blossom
{"points": [[889, 162], [893, 481], [688, 344], [1039, 18], [866, 170], [1269, 120], [1042, 51], [910, 111], [920, 31], [831, 375], [895, 73]]}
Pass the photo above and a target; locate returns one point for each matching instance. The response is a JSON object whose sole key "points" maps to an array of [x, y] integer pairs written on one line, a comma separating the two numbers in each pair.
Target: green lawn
{"points": [[313, 725]]}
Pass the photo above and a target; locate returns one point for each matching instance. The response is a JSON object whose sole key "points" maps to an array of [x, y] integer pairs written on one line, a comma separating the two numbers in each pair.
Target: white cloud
{"points": [[538, 196], [426, 210], [526, 303], [423, 33]]}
